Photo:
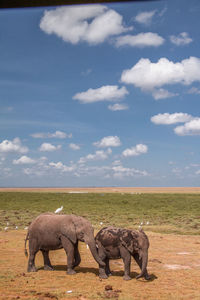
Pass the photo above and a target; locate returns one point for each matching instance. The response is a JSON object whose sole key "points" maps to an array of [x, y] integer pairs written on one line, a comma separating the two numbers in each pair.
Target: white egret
{"points": [[58, 210]]}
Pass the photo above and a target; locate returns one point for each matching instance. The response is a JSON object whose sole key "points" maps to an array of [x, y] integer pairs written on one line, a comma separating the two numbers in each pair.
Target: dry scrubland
{"points": [[174, 259], [108, 190]]}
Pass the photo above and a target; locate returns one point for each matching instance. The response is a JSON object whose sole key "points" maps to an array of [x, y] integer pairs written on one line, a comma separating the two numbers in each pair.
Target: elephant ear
{"points": [[128, 241], [69, 230]]}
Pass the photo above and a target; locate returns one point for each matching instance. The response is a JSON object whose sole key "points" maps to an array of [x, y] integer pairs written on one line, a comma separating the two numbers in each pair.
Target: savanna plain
{"points": [[170, 218]]}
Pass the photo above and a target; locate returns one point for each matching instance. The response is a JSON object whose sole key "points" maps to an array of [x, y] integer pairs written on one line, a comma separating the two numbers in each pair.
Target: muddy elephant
{"points": [[51, 232], [114, 243]]}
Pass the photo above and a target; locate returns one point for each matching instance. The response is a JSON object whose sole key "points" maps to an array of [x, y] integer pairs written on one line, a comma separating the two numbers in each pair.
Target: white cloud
{"points": [[145, 17], [12, 146], [181, 40], [167, 119], [147, 39], [90, 23], [99, 155], [120, 172], [104, 93], [135, 151], [194, 90], [108, 141], [57, 134], [61, 167], [117, 107], [49, 147], [24, 160], [74, 146], [162, 94], [189, 128], [149, 76]]}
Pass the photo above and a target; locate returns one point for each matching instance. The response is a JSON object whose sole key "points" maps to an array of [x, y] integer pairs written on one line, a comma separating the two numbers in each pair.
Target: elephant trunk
{"points": [[93, 250], [144, 265]]}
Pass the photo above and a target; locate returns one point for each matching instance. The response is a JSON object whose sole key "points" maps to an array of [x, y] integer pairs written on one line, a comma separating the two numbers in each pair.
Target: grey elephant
{"points": [[114, 243], [51, 232]]}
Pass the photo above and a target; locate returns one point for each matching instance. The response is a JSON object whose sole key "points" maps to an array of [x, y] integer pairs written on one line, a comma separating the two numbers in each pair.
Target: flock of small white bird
{"points": [[58, 210]]}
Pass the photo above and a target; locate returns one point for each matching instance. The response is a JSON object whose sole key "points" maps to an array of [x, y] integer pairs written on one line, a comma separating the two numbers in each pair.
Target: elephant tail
{"points": [[25, 250]]}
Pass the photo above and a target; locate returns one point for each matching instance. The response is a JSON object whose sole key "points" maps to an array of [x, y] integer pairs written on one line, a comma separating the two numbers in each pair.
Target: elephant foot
{"points": [[31, 269], [103, 276], [48, 268], [71, 272], [76, 264], [147, 277], [127, 277]]}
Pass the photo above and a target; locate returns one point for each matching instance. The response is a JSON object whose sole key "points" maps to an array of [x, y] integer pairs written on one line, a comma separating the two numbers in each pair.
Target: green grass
{"points": [[177, 213]]}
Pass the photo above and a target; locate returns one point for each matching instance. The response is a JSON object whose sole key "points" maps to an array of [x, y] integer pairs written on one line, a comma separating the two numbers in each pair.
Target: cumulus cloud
{"points": [[57, 134], [189, 128], [150, 76], [162, 94], [135, 151], [181, 40], [120, 172], [108, 141], [117, 107], [47, 147], [24, 160], [194, 90], [89, 23], [12, 146], [148, 39], [74, 146], [104, 93], [98, 155], [168, 119], [62, 167], [145, 17]]}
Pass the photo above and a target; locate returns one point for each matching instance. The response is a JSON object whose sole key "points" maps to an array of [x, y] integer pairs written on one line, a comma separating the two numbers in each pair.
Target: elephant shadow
{"points": [[77, 269], [133, 275], [96, 271]]}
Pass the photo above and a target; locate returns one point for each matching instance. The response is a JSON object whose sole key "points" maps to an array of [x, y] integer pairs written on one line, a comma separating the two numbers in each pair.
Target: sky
{"points": [[100, 95]]}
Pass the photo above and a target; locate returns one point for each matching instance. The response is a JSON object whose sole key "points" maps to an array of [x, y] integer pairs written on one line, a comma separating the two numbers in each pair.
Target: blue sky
{"points": [[100, 95]]}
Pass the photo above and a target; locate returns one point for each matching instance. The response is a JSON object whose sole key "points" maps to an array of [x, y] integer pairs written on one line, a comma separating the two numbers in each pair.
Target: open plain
{"points": [[173, 229]]}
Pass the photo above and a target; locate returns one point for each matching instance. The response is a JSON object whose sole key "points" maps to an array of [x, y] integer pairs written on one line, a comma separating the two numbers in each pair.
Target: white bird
{"points": [[6, 228], [26, 228], [147, 222], [16, 227], [58, 210], [141, 223], [101, 223]]}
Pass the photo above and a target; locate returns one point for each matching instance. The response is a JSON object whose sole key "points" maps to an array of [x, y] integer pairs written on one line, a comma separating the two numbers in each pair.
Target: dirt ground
{"points": [[133, 190], [174, 267]]}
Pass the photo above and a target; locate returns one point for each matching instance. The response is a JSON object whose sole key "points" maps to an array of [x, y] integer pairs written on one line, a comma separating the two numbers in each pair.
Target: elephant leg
{"points": [[127, 262], [77, 257], [139, 262], [47, 263], [69, 249], [102, 270], [108, 272], [33, 249]]}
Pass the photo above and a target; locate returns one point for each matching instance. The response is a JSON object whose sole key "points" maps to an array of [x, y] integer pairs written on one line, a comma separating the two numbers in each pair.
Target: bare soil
{"points": [[173, 190], [174, 267]]}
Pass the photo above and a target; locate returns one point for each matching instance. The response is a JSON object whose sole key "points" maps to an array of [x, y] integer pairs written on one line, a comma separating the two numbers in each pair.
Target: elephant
{"points": [[50, 231], [115, 243]]}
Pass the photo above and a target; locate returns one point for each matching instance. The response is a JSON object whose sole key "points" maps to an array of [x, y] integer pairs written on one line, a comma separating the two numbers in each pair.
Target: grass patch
{"points": [[177, 213]]}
